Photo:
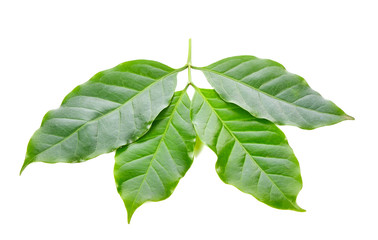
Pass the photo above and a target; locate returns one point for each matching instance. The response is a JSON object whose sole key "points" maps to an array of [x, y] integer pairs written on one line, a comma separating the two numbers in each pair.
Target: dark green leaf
{"points": [[115, 107], [253, 154], [150, 168], [266, 90]]}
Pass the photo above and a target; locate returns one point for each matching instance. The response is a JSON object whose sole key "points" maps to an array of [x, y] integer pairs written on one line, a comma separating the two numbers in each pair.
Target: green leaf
{"points": [[198, 147], [150, 168], [115, 107], [266, 90], [253, 154]]}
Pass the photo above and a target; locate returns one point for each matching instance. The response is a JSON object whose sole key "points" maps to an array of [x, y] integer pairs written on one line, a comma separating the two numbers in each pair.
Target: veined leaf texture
{"points": [[253, 154], [133, 109], [150, 168], [113, 108], [266, 90]]}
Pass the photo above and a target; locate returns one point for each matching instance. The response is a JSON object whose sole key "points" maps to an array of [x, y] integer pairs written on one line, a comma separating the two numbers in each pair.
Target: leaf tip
{"points": [[129, 216], [347, 117], [23, 167], [298, 208]]}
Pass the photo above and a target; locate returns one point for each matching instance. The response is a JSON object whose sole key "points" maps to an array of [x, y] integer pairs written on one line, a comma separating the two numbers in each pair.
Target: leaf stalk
{"points": [[189, 63]]}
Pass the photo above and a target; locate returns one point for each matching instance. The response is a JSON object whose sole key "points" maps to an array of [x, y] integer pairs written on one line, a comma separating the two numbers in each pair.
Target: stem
{"points": [[189, 62], [190, 75]]}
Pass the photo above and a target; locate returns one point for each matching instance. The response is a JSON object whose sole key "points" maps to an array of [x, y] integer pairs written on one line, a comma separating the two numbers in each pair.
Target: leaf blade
{"points": [[253, 154], [266, 90], [150, 168], [96, 117]]}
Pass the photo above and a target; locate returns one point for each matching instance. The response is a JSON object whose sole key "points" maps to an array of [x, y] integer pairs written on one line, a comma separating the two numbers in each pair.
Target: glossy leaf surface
{"points": [[115, 107], [253, 154], [150, 168], [266, 90]]}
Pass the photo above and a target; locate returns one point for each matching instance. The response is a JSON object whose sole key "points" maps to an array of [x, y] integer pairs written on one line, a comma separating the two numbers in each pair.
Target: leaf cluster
{"points": [[133, 109]]}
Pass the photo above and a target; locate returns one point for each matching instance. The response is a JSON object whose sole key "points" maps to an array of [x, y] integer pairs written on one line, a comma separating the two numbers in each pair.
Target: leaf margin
{"points": [[207, 69], [28, 161], [131, 209], [296, 207]]}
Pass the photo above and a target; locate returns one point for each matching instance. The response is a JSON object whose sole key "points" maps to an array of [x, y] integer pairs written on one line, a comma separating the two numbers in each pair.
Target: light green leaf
{"points": [[150, 168], [266, 90], [115, 107], [253, 154], [198, 147]]}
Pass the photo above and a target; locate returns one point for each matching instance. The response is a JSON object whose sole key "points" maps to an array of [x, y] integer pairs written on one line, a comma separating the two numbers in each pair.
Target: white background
{"points": [[49, 47]]}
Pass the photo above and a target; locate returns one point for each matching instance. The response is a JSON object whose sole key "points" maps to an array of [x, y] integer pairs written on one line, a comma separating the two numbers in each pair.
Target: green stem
{"points": [[197, 68], [190, 75], [189, 62]]}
